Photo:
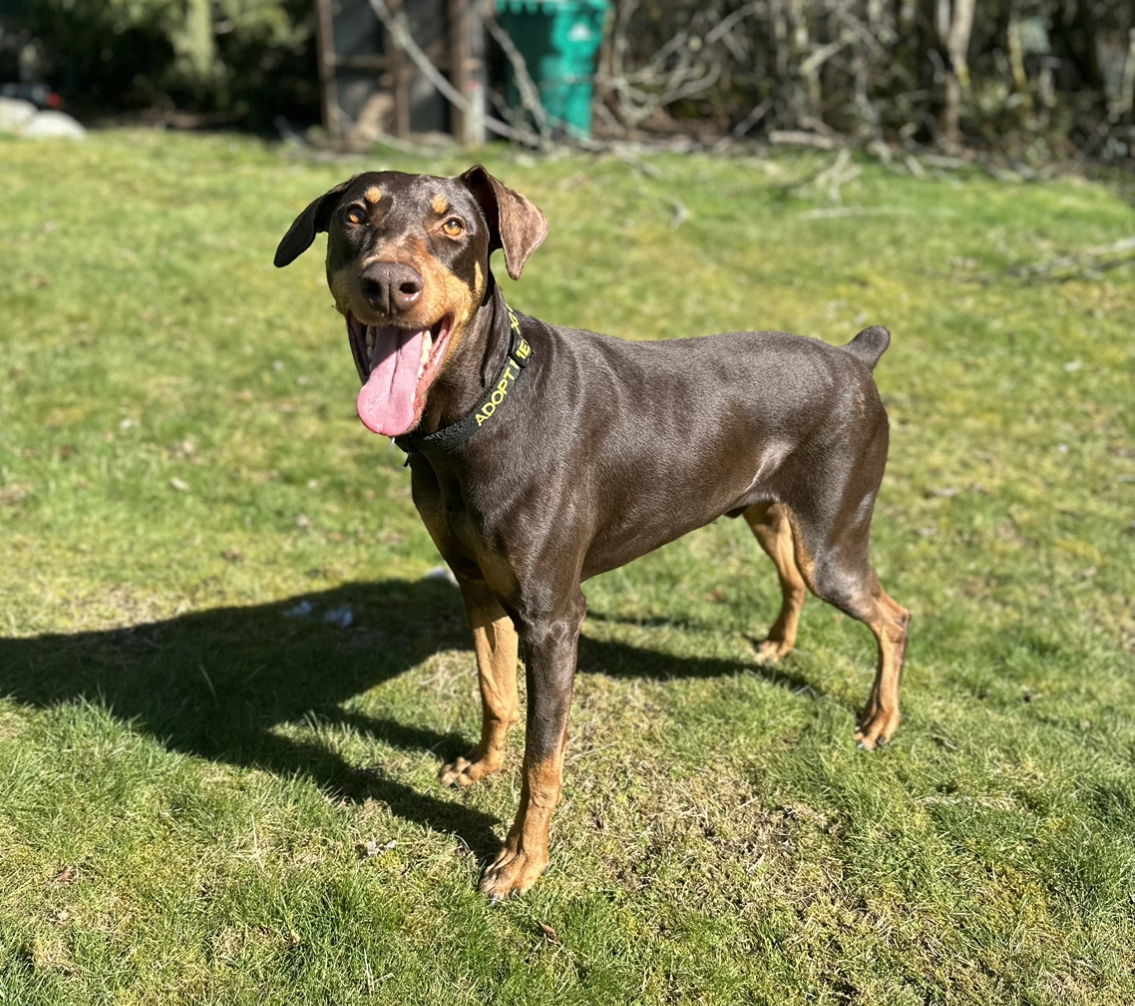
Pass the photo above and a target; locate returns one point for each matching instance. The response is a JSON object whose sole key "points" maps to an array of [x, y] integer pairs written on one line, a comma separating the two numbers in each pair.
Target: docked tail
{"points": [[869, 345]]}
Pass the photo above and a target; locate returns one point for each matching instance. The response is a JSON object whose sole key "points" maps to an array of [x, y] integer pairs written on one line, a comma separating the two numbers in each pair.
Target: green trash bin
{"points": [[559, 40]]}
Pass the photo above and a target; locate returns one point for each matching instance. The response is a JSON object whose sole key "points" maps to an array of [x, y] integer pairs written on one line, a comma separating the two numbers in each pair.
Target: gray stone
{"points": [[15, 114], [53, 124]]}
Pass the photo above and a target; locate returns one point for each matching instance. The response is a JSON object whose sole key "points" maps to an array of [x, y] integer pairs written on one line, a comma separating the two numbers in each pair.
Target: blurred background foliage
{"points": [[239, 60], [1030, 78], [1055, 75]]}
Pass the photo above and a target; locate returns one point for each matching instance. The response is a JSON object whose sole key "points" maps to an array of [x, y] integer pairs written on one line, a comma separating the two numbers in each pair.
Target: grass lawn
{"points": [[212, 790]]}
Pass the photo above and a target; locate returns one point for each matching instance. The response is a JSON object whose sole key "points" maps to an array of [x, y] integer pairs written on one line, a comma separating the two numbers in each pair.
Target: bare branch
{"points": [[401, 37], [529, 95], [1084, 263]]}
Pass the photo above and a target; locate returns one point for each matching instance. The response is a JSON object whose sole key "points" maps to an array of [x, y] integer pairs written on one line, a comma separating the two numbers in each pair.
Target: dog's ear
{"points": [[516, 225], [311, 221]]}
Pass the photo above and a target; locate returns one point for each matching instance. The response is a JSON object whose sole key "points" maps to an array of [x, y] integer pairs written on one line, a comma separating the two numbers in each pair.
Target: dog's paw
{"points": [[876, 729], [771, 650], [513, 872], [468, 769]]}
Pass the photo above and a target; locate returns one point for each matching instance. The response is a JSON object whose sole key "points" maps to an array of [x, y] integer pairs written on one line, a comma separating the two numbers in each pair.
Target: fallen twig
{"points": [[1090, 260], [799, 138], [840, 171], [836, 212]]}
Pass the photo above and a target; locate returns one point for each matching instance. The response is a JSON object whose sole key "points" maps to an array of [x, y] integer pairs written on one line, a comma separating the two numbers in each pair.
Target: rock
{"points": [[15, 114], [341, 616], [441, 573], [51, 124]]}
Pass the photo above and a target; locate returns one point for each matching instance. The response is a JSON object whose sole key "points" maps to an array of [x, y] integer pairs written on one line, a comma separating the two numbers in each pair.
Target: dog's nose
{"points": [[391, 287]]}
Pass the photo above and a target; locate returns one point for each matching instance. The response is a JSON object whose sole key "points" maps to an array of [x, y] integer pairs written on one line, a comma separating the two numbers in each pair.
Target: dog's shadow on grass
{"points": [[214, 683]]}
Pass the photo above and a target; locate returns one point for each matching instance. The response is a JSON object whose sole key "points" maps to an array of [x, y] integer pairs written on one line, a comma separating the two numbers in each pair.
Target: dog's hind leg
{"points": [[769, 523], [831, 554], [880, 717]]}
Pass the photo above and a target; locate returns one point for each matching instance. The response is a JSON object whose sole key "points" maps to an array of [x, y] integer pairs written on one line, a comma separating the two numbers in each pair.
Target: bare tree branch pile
{"points": [[1016, 74]]}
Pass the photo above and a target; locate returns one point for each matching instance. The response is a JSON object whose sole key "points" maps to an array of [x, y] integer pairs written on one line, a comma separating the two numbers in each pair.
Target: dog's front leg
{"points": [[550, 648], [495, 642]]}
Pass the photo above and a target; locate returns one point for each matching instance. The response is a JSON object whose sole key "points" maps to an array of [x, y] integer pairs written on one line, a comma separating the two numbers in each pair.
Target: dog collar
{"points": [[448, 437]]}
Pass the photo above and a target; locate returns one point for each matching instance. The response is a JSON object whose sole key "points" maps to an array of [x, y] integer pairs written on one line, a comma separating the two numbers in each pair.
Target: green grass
{"points": [[186, 771]]}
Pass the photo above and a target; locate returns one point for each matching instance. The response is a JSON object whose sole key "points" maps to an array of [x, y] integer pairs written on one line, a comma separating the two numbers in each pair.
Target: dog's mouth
{"points": [[396, 365]]}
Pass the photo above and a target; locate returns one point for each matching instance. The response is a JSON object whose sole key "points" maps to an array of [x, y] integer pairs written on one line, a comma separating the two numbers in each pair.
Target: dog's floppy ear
{"points": [[517, 226], [310, 222]]}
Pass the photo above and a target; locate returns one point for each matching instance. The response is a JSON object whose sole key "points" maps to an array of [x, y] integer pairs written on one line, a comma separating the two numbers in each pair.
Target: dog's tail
{"points": [[869, 345]]}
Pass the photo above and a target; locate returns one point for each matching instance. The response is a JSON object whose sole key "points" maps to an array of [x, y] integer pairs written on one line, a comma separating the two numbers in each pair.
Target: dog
{"points": [[542, 455]]}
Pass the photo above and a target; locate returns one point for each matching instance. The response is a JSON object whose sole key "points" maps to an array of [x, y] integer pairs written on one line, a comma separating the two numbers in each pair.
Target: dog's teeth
{"points": [[427, 344], [372, 343]]}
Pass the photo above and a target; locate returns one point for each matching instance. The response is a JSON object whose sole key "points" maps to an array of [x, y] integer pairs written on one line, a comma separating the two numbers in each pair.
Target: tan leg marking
{"points": [[880, 718], [771, 526], [525, 854], [495, 642]]}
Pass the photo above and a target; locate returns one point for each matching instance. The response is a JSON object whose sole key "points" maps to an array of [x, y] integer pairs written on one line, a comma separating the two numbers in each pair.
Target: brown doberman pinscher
{"points": [[542, 455]]}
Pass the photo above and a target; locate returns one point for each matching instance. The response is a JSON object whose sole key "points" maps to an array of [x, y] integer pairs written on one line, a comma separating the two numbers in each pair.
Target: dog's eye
{"points": [[453, 227], [355, 216]]}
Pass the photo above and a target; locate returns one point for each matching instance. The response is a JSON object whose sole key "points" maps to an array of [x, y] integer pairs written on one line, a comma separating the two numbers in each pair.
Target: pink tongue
{"points": [[386, 402]]}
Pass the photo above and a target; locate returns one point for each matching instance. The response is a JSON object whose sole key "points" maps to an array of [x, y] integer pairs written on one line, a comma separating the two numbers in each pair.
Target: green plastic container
{"points": [[559, 40]]}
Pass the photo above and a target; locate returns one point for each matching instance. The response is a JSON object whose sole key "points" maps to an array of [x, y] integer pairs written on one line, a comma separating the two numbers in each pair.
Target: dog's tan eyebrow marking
{"points": [[373, 194], [440, 205]]}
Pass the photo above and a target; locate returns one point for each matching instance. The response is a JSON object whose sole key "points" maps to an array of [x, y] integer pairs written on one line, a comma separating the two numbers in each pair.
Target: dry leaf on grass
{"points": [[371, 847], [66, 876], [550, 934]]}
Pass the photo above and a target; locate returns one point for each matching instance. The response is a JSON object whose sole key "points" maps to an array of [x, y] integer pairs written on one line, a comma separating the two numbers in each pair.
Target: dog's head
{"points": [[408, 266]]}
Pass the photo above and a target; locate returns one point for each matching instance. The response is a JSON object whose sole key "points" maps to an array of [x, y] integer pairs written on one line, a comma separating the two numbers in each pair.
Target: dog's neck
{"points": [[475, 362]]}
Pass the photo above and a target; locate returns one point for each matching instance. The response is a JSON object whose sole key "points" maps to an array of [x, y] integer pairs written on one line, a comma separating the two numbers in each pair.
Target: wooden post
{"points": [[460, 59], [325, 57], [454, 53], [399, 75]]}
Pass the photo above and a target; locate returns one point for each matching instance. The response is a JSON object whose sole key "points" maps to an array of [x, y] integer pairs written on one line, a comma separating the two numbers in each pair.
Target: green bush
{"points": [[244, 59]]}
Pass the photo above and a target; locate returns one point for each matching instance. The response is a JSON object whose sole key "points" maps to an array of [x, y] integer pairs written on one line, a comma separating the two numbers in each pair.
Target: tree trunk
{"points": [[955, 25]]}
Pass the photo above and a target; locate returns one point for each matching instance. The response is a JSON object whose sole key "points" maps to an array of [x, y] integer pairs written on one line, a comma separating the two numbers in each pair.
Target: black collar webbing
{"points": [[448, 437]]}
